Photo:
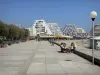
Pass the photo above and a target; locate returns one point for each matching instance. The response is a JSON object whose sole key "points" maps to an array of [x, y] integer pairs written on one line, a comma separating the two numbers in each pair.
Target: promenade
{"points": [[40, 58], [82, 46]]}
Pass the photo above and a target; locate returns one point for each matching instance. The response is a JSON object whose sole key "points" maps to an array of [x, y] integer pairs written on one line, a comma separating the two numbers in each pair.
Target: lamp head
{"points": [[93, 15]]}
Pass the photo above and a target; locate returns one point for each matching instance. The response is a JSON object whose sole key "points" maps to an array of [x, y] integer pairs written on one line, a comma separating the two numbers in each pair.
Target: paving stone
{"points": [[39, 60], [54, 68], [8, 72], [11, 63], [13, 57], [37, 68]]}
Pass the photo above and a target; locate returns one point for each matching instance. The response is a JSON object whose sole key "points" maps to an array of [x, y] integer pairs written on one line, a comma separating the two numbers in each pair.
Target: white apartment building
{"points": [[80, 30], [41, 27], [30, 31]]}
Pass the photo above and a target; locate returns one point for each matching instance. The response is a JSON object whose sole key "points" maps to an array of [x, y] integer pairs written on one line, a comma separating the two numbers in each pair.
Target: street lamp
{"points": [[93, 15]]}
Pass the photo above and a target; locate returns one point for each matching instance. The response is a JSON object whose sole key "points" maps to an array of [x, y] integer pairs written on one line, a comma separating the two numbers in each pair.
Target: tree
{"points": [[4, 30], [22, 33], [14, 31], [26, 32]]}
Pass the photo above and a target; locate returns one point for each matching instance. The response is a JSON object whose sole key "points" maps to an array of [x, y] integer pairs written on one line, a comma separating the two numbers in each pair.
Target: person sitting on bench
{"points": [[63, 47]]}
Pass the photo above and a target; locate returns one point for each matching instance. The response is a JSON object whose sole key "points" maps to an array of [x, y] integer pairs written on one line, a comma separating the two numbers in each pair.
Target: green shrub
{"points": [[1, 41], [9, 42]]}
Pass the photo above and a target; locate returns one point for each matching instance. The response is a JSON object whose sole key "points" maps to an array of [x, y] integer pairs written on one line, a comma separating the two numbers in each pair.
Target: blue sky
{"points": [[63, 12]]}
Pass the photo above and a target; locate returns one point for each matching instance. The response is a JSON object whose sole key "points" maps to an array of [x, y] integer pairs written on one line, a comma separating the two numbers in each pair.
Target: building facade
{"points": [[70, 30], [55, 29], [80, 30], [41, 27], [81, 33], [96, 30], [30, 31]]}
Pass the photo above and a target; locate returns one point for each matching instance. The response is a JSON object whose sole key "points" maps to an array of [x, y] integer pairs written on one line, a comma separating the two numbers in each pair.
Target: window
{"points": [[43, 29]]}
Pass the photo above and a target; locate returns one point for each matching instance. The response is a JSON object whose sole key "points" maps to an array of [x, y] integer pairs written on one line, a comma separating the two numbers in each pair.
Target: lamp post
{"points": [[93, 15]]}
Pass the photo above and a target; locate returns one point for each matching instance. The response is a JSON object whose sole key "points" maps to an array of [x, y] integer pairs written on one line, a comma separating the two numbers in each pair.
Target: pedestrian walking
{"points": [[72, 47]]}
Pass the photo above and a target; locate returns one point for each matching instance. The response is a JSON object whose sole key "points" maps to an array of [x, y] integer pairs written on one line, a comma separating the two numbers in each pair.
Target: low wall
{"points": [[85, 56], [88, 57]]}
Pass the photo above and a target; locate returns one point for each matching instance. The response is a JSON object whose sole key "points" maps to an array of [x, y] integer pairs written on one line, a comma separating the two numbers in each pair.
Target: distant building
{"points": [[81, 33], [54, 28], [30, 31], [41, 27], [70, 30], [80, 30], [96, 30]]}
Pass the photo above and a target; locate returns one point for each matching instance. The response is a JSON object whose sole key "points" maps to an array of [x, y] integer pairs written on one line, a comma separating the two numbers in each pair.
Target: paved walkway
{"points": [[15, 59], [40, 58]]}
